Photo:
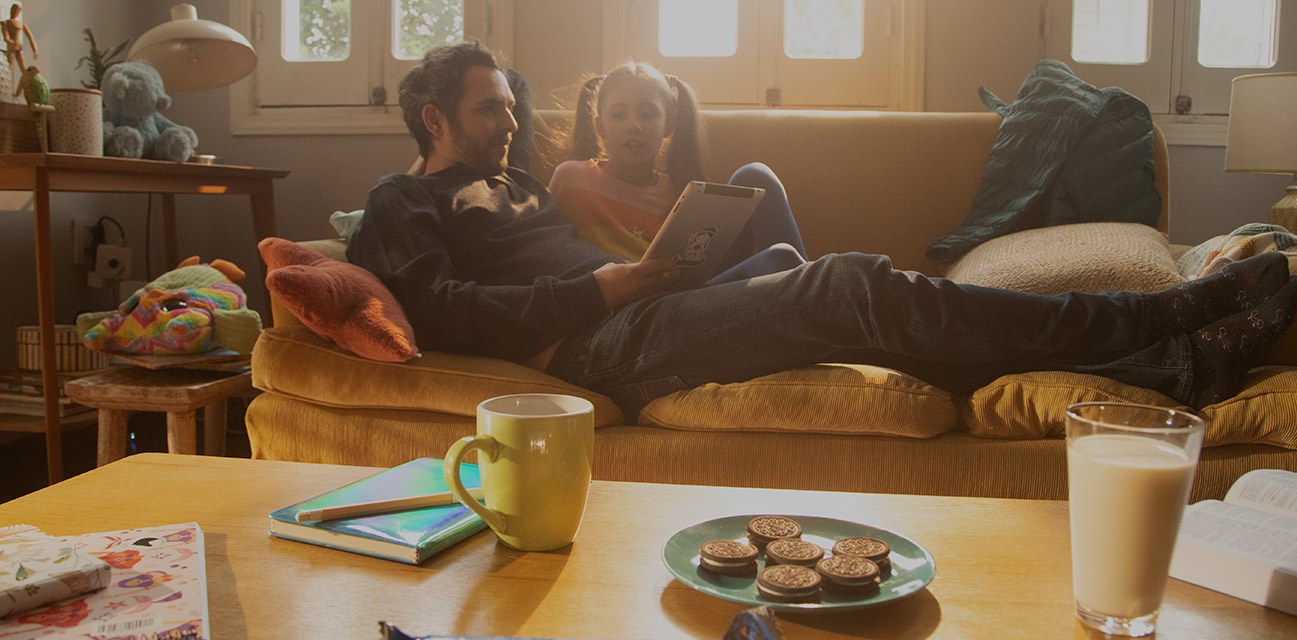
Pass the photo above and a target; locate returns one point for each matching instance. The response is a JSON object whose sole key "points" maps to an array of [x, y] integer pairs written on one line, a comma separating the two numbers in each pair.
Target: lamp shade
{"points": [[1263, 124], [192, 54]]}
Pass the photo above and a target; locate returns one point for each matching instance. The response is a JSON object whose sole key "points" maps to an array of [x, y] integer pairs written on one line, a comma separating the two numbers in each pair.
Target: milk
{"points": [[1127, 494]]}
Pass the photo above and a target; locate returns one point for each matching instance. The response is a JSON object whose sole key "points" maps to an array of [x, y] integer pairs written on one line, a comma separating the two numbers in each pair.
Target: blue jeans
{"points": [[771, 242], [855, 308]]}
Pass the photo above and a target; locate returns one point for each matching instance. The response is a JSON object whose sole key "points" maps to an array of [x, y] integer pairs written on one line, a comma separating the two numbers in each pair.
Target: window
{"points": [[793, 53], [1178, 56], [330, 66]]}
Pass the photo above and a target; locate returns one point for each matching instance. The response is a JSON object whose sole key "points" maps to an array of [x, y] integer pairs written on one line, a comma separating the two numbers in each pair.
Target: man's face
{"points": [[480, 136]]}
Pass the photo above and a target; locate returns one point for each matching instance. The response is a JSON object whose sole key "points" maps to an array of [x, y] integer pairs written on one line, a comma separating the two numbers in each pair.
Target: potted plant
{"points": [[99, 60]]}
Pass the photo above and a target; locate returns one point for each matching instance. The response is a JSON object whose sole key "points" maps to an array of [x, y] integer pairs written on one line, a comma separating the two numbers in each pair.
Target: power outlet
{"points": [[83, 241]]}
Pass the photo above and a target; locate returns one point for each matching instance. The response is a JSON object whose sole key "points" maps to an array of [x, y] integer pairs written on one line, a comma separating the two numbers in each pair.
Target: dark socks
{"points": [[1225, 350], [1238, 287]]}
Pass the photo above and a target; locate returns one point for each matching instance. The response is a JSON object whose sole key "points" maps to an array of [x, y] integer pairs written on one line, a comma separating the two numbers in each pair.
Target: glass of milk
{"points": [[1129, 470]]}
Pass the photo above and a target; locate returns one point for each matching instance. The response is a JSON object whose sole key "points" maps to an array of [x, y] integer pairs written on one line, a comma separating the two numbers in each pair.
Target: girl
{"points": [[619, 199]]}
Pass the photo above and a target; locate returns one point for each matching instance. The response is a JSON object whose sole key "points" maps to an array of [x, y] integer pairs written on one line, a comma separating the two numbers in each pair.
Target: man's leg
{"points": [[855, 302]]}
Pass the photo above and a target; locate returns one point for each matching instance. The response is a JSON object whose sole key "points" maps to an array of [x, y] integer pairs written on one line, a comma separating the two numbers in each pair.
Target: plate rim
{"points": [[799, 607]]}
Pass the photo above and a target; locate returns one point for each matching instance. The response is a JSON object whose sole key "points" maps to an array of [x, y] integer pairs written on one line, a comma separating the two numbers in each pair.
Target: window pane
{"points": [[420, 25], [698, 28], [1238, 33], [1110, 31], [824, 28], [316, 30]]}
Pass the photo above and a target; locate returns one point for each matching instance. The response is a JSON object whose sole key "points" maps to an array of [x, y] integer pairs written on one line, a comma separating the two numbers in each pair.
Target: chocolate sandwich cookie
{"points": [[763, 529], [728, 557], [793, 551], [788, 583], [870, 548], [848, 574]]}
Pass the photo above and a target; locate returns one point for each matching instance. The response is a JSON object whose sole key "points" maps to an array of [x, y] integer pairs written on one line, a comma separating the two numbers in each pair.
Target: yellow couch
{"points": [[875, 182]]}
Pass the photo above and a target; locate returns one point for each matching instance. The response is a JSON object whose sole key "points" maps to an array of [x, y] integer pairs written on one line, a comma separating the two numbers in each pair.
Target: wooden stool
{"points": [[179, 392]]}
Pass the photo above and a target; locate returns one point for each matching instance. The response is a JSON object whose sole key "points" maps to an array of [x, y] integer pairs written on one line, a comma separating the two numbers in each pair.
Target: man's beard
{"points": [[483, 158]]}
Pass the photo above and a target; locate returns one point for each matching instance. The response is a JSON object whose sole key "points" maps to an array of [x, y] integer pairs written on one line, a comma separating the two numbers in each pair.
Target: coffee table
{"points": [[1003, 567]]}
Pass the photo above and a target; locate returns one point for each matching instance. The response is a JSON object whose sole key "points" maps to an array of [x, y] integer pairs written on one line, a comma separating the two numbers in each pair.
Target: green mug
{"points": [[536, 451]]}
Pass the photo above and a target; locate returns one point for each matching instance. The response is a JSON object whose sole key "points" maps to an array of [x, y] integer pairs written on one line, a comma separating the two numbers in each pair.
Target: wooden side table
{"points": [[178, 392], [42, 173]]}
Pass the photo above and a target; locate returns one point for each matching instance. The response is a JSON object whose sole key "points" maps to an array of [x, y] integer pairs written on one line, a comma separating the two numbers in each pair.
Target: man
{"points": [[483, 263]]}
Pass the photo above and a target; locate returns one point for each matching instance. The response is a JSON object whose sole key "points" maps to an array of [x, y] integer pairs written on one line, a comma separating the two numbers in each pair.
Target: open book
{"points": [[1246, 545]]}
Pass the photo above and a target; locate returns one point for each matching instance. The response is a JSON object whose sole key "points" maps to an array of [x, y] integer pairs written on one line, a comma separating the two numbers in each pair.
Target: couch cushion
{"points": [[825, 398], [294, 362], [1033, 405], [1089, 257], [339, 301]]}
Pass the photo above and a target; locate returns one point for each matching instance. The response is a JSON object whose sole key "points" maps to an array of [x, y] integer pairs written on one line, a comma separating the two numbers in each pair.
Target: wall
{"points": [[555, 41]]}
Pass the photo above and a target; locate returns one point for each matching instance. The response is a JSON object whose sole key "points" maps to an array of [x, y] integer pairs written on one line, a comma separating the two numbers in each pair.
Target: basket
{"points": [[69, 353]]}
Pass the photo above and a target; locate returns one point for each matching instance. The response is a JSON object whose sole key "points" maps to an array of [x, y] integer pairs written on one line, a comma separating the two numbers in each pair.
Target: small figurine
{"points": [[14, 30], [37, 93]]}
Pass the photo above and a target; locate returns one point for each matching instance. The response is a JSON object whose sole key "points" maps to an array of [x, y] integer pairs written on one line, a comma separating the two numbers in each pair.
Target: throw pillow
{"points": [[338, 301], [1087, 257]]}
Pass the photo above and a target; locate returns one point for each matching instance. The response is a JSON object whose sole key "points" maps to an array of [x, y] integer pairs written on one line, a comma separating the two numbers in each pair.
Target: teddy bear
{"points": [[133, 128]]}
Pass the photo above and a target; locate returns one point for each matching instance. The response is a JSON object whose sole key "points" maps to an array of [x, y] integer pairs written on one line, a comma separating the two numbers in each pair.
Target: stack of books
{"points": [[20, 393]]}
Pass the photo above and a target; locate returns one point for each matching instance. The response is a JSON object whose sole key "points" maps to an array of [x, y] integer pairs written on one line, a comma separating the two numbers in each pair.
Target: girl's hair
{"points": [[684, 151]]}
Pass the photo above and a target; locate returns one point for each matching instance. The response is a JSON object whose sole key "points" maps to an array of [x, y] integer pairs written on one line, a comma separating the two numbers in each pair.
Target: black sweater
{"points": [[481, 265]]}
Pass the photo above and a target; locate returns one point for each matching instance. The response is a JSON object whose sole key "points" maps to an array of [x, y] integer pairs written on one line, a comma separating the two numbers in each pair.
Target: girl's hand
{"points": [[622, 284], [417, 168]]}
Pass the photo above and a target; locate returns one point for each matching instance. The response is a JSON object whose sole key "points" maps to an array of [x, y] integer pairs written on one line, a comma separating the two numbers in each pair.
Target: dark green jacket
{"points": [[1066, 152]]}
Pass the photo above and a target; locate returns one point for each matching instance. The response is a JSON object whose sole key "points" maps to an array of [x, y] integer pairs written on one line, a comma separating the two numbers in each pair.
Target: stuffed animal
{"points": [[133, 128], [194, 308]]}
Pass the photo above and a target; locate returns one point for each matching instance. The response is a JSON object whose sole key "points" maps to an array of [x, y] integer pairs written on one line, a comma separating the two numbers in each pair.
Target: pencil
{"points": [[359, 509]]}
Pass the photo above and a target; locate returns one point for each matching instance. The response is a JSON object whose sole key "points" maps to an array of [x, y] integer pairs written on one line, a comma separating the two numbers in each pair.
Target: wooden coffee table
{"points": [[1003, 567]]}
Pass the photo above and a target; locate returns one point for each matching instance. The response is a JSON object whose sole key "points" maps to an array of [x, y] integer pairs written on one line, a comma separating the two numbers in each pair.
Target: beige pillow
{"points": [[824, 398], [1087, 257], [1033, 405]]}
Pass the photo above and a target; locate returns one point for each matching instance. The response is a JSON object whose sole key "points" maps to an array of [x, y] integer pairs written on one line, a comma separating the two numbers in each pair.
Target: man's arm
{"points": [[402, 241]]}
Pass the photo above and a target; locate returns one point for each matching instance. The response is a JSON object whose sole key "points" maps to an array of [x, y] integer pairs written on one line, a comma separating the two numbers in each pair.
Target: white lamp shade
{"points": [[1263, 124], [192, 54]]}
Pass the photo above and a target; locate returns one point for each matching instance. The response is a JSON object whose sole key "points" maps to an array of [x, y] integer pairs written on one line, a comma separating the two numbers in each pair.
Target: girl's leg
{"points": [[772, 259], [772, 222]]}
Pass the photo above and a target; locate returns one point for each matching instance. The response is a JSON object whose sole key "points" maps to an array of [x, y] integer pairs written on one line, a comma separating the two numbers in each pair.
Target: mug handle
{"points": [[454, 456]]}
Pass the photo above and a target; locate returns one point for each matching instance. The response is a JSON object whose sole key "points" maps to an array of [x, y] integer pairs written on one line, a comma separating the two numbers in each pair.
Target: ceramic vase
{"points": [[77, 123]]}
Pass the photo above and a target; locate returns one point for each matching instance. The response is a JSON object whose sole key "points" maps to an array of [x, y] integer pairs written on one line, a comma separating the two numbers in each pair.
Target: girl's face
{"points": [[632, 122]]}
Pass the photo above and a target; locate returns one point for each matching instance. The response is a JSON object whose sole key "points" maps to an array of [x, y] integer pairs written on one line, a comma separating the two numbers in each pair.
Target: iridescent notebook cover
{"points": [[421, 532]]}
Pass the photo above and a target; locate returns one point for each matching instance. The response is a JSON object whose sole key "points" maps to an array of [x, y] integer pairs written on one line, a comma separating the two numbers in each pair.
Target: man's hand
{"points": [[622, 284]]}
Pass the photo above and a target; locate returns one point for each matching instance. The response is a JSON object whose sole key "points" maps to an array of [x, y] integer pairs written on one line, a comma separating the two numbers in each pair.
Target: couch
{"points": [[876, 182]]}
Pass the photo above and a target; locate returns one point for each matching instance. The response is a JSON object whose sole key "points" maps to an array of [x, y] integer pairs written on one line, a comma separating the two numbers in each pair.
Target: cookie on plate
{"points": [[763, 529], [848, 574], [788, 583], [870, 548], [793, 551], [728, 557]]}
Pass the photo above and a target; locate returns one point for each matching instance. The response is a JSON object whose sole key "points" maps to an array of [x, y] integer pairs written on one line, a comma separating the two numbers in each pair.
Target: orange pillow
{"points": [[339, 301]]}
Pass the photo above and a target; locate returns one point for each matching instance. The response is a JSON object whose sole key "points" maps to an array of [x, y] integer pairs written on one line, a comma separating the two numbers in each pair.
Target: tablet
{"points": [[698, 232]]}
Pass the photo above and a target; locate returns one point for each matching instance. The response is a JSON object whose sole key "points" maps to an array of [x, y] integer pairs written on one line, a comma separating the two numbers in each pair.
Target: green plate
{"points": [[912, 565]]}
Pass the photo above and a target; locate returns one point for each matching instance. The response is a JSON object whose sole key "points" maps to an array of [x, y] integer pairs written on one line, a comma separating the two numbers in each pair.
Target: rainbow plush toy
{"points": [[192, 309]]}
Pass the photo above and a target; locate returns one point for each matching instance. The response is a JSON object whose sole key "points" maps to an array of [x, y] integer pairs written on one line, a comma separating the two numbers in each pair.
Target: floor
{"points": [[22, 455]]}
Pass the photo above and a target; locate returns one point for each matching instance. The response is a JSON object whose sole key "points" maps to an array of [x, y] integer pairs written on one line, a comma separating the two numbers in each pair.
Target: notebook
{"points": [[404, 536], [701, 227]]}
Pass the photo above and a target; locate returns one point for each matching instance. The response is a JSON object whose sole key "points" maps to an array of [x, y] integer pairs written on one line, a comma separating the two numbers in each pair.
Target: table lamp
{"points": [[192, 54], [1263, 134]]}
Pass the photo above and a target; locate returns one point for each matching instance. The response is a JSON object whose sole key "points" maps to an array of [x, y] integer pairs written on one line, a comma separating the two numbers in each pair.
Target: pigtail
{"points": [[684, 157], [585, 141]]}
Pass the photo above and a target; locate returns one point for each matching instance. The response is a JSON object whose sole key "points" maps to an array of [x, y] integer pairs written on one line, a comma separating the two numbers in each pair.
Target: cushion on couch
{"points": [[1033, 405], [339, 301], [1089, 257], [825, 398], [293, 361]]}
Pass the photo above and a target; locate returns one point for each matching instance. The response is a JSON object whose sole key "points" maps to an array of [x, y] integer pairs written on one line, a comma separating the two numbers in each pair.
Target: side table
{"points": [[43, 173], [180, 393]]}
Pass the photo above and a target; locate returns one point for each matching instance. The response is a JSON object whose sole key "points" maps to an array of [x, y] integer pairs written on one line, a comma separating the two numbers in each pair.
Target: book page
{"points": [[1273, 490], [1263, 535]]}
